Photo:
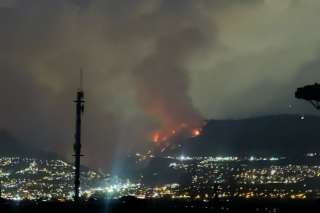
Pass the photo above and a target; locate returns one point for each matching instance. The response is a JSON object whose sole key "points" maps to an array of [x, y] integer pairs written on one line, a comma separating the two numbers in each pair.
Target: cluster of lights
{"points": [[33, 179], [26, 178], [255, 177], [288, 174], [253, 158]]}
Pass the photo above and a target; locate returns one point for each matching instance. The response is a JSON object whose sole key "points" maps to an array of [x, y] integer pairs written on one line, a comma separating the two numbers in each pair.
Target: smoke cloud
{"points": [[149, 64]]}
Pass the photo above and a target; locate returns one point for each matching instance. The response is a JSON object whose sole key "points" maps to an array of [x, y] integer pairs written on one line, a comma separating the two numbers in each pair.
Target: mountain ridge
{"points": [[284, 134]]}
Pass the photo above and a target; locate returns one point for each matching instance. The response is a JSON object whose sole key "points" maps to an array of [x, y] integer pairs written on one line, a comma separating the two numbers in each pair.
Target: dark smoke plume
{"points": [[149, 64]]}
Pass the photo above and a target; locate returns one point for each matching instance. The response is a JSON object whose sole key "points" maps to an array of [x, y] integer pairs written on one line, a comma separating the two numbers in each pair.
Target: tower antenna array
{"points": [[77, 145]]}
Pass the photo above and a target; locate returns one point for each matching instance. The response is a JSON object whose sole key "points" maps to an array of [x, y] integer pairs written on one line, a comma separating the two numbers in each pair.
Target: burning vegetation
{"points": [[182, 132]]}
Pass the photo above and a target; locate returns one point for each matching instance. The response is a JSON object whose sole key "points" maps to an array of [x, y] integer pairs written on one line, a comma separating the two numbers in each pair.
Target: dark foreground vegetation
{"points": [[129, 204]]}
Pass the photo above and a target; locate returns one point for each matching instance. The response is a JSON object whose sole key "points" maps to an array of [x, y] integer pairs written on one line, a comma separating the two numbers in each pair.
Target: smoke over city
{"points": [[148, 65]]}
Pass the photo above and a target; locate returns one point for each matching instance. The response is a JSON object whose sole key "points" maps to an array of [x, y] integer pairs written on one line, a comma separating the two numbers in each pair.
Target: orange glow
{"points": [[156, 137], [180, 132], [196, 132]]}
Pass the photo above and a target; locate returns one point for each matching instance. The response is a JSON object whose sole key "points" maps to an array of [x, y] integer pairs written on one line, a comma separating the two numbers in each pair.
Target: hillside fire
{"points": [[182, 132], [196, 132]]}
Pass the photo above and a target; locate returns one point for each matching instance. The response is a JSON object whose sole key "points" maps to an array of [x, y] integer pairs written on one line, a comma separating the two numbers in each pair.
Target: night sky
{"points": [[149, 64]]}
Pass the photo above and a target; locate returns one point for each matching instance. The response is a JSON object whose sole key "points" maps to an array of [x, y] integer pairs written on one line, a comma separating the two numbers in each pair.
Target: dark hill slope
{"points": [[268, 135]]}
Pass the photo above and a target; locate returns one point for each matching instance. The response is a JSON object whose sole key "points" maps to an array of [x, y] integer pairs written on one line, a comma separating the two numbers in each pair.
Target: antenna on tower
{"points": [[77, 145]]}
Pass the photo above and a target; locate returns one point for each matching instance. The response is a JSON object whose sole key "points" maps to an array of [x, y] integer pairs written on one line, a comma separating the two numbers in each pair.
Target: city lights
{"points": [[255, 177]]}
